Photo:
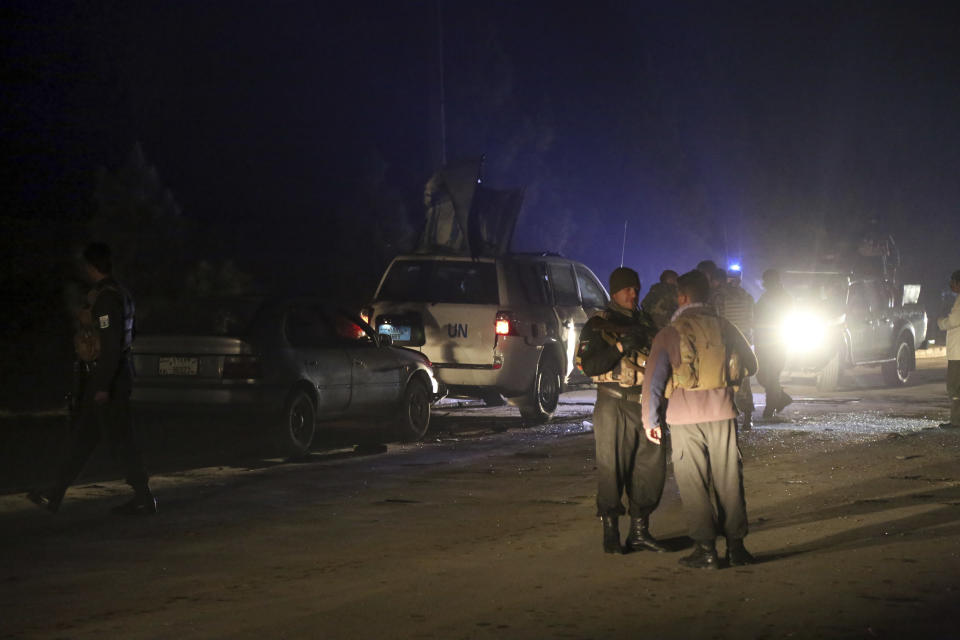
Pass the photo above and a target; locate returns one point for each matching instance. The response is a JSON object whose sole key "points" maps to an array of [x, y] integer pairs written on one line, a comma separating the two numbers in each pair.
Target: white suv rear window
{"points": [[445, 281]]}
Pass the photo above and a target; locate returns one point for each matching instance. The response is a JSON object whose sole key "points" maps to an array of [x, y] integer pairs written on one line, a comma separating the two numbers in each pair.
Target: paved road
{"points": [[486, 531]]}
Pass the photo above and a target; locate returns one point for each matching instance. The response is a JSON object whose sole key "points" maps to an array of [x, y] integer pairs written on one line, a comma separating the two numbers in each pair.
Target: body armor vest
{"points": [[704, 361], [629, 371]]}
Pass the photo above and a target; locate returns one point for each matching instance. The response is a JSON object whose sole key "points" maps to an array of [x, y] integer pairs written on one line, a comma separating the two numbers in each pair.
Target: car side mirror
{"points": [[386, 340]]}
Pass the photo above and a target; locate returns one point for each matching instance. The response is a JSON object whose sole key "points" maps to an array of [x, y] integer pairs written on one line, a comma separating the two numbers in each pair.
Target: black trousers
{"points": [[626, 461], [95, 422], [771, 361]]}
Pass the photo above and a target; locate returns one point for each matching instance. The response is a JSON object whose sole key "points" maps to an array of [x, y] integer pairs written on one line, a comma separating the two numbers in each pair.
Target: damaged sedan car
{"points": [[291, 363]]}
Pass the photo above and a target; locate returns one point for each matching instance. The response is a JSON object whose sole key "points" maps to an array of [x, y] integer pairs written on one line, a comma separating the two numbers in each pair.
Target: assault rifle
{"points": [[634, 338]]}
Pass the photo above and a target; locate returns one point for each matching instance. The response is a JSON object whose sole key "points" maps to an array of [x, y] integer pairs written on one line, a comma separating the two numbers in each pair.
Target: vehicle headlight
{"points": [[803, 331]]}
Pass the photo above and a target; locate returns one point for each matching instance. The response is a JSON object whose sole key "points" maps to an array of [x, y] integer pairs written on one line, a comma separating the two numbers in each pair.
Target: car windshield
{"points": [[826, 290], [200, 317], [447, 281]]}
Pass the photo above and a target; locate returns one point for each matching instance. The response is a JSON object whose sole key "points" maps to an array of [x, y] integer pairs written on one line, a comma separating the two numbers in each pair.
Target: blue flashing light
{"points": [[735, 266]]}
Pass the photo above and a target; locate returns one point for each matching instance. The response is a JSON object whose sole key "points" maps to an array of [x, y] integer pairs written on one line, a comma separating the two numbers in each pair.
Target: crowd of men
{"points": [[683, 358], [680, 364]]}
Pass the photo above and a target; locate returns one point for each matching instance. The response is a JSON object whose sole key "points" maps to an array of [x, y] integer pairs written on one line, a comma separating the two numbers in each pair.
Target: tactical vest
{"points": [[629, 371], [86, 339], [704, 362]]}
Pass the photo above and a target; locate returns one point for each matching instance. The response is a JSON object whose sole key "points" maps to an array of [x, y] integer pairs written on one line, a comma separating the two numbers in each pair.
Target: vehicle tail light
{"points": [[504, 324], [241, 367]]}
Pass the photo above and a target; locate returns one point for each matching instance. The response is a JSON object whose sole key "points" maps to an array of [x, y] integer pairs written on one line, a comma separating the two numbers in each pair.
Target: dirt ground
{"points": [[854, 508]]}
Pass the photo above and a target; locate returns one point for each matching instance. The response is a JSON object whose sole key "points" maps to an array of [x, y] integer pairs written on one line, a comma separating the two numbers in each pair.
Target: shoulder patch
{"points": [[104, 321]]}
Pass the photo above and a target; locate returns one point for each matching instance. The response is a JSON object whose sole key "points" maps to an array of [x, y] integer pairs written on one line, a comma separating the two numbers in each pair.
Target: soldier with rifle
{"points": [[612, 351], [103, 381]]}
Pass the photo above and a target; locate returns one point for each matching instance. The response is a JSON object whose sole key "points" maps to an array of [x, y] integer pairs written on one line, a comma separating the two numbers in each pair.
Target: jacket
{"points": [[600, 359], [951, 324]]}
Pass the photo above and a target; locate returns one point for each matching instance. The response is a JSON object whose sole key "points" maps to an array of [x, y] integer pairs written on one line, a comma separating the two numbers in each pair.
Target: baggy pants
{"points": [[707, 463], [626, 460], [98, 421], [953, 390]]}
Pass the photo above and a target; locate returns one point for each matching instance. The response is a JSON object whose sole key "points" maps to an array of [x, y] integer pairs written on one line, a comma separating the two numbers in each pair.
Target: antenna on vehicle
{"points": [[623, 247]]}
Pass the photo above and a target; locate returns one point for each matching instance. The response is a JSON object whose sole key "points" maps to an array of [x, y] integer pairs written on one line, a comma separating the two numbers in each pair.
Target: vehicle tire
{"points": [[897, 373], [829, 377], [493, 399], [296, 427], [543, 398], [414, 418]]}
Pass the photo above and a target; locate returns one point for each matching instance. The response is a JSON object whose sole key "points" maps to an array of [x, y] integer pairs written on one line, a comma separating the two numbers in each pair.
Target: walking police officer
{"points": [[104, 336], [771, 349], [612, 351]]}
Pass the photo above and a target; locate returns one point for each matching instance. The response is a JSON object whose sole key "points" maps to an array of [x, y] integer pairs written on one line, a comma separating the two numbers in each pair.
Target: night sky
{"points": [[716, 130]]}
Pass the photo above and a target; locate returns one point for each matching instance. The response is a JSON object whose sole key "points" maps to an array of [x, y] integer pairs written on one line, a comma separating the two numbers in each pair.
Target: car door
{"points": [[318, 357], [885, 321], [593, 300], [861, 321], [375, 370], [566, 304]]}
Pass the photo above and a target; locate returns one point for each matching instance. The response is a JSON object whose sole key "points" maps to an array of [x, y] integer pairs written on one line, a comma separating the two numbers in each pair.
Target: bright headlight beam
{"points": [[803, 331]]}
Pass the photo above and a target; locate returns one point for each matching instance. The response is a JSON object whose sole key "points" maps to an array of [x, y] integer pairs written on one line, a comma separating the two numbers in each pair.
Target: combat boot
{"points": [[611, 535], [704, 556], [737, 554], [785, 400], [142, 504], [639, 538]]}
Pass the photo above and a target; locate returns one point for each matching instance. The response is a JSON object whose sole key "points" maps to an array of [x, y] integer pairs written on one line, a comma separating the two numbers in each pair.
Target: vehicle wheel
{"points": [[543, 398], [414, 420], [897, 373], [297, 426], [829, 378], [493, 399]]}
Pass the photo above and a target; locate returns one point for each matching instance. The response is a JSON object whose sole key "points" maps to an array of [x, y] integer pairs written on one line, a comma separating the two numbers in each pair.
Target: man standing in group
{"points": [[771, 349], [612, 351], [951, 324], [696, 362], [661, 301], [736, 305], [104, 336]]}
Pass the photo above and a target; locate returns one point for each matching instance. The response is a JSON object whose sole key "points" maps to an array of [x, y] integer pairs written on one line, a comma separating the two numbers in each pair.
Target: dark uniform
{"points": [[626, 461], [111, 311], [661, 303]]}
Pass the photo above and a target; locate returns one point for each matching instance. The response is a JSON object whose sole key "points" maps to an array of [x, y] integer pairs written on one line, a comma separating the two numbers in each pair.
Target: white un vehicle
{"points": [[492, 326]]}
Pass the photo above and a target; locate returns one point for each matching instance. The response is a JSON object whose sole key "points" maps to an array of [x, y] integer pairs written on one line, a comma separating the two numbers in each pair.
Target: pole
{"points": [[623, 247], [443, 97]]}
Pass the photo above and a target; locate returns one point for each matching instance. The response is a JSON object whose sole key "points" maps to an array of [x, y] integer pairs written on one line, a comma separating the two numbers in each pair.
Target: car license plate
{"points": [[175, 366], [399, 332]]}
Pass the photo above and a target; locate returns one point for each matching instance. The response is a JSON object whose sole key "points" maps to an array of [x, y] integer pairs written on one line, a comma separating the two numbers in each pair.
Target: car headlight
{"points": [[803, 331]]}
